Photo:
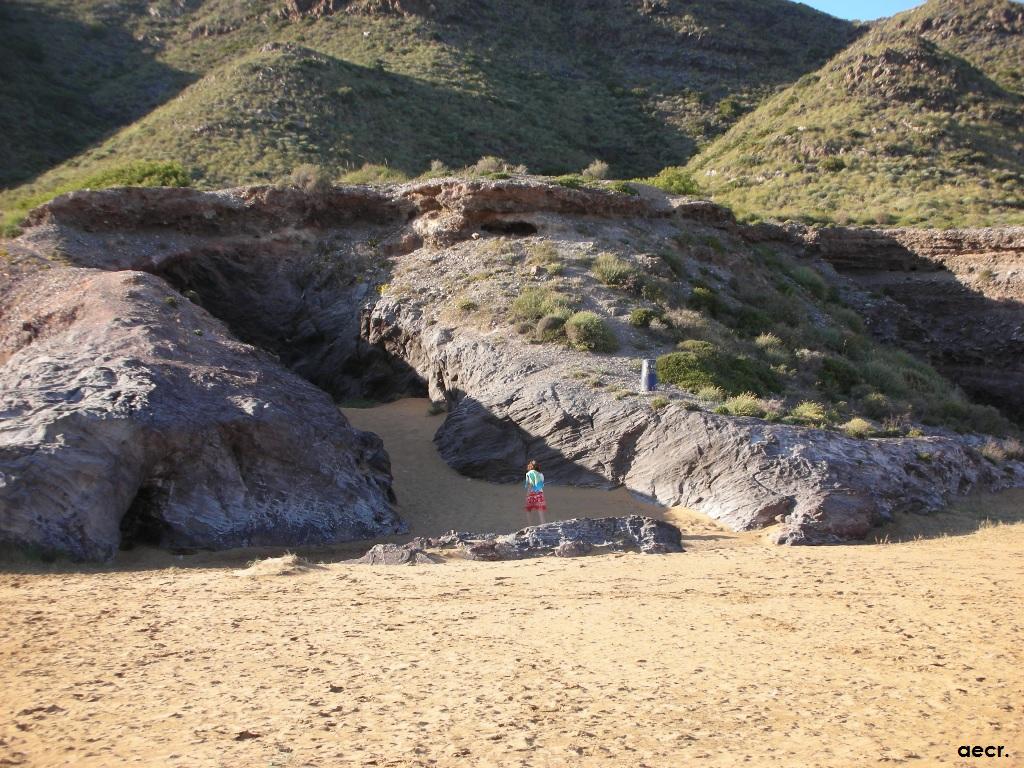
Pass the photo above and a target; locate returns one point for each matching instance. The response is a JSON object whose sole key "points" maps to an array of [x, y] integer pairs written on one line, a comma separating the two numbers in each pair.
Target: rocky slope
{"points": [[955, 297], [354, 290]]}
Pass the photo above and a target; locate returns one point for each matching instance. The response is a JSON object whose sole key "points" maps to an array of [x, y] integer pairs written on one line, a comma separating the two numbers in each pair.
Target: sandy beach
{"points": [[733, 653]]}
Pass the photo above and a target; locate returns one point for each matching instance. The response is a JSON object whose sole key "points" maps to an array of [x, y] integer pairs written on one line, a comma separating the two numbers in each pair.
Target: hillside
{"points": [[917, 122], [552, 86]]}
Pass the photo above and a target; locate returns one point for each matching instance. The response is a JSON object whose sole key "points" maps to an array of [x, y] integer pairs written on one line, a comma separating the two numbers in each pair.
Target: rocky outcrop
{"points": [[129, 412], [824, 487], [955, 297], [311, 278]]}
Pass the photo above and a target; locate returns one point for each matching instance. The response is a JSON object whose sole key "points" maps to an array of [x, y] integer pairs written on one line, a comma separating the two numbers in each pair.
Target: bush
{"points": [[623, 187], [467, 305], [837, 376], [310, 179], [674, 180], [588, 332], [658, 403], [858, 427], [876, 405], [551, 327], [642, 318], [808, 412], [699, 365], [746, 404], [769, 342], [612, 271], [750, 322], [489, 165], [535, 303], [729, 109], [706, 300], [832, 164], [810, 280], [371, 173], [596, 170], [711, 394], [570, 181]]}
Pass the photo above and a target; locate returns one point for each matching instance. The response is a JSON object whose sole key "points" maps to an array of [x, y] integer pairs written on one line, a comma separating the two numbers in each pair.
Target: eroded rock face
{"points": [[127, 408], [301, 275], [955, 297], [506, 407]]}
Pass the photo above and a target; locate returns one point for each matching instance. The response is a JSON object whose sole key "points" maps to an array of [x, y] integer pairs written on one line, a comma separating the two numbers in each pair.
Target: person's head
{"points": [[533, 465]]}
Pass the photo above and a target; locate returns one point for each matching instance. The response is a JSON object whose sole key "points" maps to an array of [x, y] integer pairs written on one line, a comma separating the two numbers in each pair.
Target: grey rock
{"points": [[395, 554], [127, 408], [568, 538]]}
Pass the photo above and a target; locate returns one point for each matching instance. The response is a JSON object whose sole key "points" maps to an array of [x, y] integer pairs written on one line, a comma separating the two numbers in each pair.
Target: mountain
{"points": [[917, 122], [244, 91]]}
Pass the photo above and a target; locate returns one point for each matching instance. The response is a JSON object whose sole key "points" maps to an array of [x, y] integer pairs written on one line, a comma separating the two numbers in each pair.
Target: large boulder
{"points": [[128, 410]]}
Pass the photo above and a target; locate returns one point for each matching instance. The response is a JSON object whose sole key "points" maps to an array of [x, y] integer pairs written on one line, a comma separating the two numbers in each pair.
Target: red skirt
{"points": [[535, 502]]}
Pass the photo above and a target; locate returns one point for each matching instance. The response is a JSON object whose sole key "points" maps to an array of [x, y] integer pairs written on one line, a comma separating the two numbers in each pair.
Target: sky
{"points": [[865, 10]]}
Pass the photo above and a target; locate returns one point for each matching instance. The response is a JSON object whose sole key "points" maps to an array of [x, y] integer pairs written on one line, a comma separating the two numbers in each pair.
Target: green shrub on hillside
{"points": [[810, 280], [858, 427], [535, 303], [745, 404], [704, 299], [700, 364], [310, 179], [832, 164], [596, 170], [642, 317], [808, 412], [837, 376], [589, 333], [675, 180], [613, 271], [552, 327], [372, 173]]}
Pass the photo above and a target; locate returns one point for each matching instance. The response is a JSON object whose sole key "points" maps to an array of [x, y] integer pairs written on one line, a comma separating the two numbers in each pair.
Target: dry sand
{"points": [[734, 653]]}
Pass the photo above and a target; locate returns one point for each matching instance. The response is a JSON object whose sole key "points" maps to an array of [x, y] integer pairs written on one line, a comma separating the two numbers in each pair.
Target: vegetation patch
{"points": [[133, 174], [699, 365], [535, 303], [586, 331]]}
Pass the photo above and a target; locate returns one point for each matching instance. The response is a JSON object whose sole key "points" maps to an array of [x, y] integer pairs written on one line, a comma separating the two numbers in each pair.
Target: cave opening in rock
{"points": [[307, 313], [514, 228], [142, 524]]}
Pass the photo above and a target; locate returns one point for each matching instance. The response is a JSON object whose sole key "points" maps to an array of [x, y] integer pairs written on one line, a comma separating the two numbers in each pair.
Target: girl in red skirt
{"points": [[535, 490]]}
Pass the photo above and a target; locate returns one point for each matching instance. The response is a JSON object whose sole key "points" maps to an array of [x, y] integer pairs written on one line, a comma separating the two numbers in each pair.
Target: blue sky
{"points": [[865, 10]]}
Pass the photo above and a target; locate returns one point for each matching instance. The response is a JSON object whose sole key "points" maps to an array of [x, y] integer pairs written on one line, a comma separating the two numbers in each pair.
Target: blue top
{"points": [[534, 481]]}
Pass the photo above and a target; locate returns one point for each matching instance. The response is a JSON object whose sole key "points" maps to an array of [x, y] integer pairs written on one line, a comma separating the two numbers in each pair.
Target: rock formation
{"points": [[214, 443], [564, 538], [955, 297], [128, 410], [568, 538]]}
